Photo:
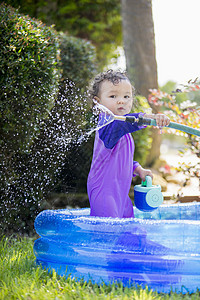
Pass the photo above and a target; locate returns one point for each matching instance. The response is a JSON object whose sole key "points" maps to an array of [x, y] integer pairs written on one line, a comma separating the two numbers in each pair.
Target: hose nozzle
{"points": [[144, 121], [131, 119]]}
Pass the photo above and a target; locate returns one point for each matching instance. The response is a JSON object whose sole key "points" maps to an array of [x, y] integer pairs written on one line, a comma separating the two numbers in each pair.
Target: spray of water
{"points": [[101, 117], [30, 175]]}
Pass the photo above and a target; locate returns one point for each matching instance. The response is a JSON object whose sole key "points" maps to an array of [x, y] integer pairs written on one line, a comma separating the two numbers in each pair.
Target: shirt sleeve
{"points": [[111, 133], [135, 165]]}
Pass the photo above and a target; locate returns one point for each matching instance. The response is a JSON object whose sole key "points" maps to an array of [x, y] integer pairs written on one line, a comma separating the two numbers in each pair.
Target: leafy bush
{"points": [[77, 60], [28, 77], [78, 66], [37, 122], [97, 21]]}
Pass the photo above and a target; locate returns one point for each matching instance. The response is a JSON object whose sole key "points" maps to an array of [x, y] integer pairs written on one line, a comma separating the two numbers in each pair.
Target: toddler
{"points": [[113, 167]]}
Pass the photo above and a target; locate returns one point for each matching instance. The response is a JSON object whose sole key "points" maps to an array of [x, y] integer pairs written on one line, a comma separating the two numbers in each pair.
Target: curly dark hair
{"points": [[114, 76]]}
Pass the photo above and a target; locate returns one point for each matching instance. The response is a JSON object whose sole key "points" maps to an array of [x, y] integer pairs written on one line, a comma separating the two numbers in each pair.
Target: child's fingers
{"points": [[149, 173], [166, 121], [146, 173], [162, 120]]}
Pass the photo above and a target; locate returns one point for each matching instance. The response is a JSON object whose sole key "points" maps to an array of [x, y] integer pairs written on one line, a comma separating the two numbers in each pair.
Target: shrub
{"points": [[77, 60], [37, 127], [28, 77], [78, 66]]}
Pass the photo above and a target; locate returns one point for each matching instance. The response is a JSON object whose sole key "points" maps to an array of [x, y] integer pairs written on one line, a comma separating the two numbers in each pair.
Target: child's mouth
{"points": [[120, 109]]}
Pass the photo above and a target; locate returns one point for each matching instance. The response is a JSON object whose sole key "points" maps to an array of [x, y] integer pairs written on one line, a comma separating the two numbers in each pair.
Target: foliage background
{"points": [[34, 132], [96, 21]]}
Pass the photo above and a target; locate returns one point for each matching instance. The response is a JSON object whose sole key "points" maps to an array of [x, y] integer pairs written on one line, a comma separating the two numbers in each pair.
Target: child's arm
{"points": [[161, 119], [111, 133]]}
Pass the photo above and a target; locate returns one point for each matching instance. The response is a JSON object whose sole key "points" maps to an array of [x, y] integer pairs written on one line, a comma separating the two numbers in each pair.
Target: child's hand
{"points": [[162, 120], [142, 173]]}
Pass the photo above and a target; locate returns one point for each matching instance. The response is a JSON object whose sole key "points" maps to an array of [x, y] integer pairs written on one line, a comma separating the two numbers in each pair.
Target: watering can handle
{"points": [[147, 182]]}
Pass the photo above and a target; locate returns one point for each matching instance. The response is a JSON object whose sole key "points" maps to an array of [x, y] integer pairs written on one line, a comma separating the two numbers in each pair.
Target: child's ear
{"points": [[96, 99]]}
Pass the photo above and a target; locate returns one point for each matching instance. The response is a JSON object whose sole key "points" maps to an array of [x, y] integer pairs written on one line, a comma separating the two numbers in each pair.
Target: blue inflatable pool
{"points": [[160, 249]]}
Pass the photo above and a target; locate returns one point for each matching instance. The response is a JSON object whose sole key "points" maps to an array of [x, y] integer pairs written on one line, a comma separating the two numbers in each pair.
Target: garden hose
{"points": [[152, 122]]}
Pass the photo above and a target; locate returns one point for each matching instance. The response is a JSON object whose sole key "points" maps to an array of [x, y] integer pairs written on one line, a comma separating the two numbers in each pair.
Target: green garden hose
{"points": [[152, 122]]}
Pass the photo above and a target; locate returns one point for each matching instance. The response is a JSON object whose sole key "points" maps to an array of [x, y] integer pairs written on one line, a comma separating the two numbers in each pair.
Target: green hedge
{"points": [[78, 65], [42, 111], [28, 77], [78, 62]]}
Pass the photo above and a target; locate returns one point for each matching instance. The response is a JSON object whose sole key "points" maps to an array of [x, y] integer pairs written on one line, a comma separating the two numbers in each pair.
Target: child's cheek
{"points": [[130, 106]]}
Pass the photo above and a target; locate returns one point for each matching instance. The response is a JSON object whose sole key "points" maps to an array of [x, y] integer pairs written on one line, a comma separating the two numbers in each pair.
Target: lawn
{"points": [[20, 278]]}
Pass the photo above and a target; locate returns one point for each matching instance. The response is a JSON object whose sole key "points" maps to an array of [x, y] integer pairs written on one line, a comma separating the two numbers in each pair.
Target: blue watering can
{"points": [[147, 197]]}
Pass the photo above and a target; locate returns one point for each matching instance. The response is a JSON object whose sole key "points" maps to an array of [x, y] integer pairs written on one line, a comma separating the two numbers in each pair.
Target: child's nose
{"points": [[120, 101]]}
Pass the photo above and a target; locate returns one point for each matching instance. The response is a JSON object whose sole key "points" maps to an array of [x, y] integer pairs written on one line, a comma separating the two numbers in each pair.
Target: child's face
{"points": [[118, 98]]}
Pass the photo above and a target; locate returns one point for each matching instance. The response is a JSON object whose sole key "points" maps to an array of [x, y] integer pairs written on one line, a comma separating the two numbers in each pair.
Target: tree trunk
{"points": [[139, 46]]}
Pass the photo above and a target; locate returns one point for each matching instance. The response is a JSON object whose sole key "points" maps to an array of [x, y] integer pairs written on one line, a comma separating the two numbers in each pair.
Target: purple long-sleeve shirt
{"points": [[112, 169]]}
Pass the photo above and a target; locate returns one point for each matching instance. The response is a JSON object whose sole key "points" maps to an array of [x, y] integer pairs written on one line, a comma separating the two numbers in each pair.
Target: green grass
{"points": [[20, 278]]}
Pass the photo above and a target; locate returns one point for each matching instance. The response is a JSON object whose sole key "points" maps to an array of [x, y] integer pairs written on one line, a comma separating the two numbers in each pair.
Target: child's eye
{"points": [[112, 96], [127, 97]]}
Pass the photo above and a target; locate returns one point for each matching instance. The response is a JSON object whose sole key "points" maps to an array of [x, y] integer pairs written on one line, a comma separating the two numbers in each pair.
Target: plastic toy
{"points": [[147, 197]]}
